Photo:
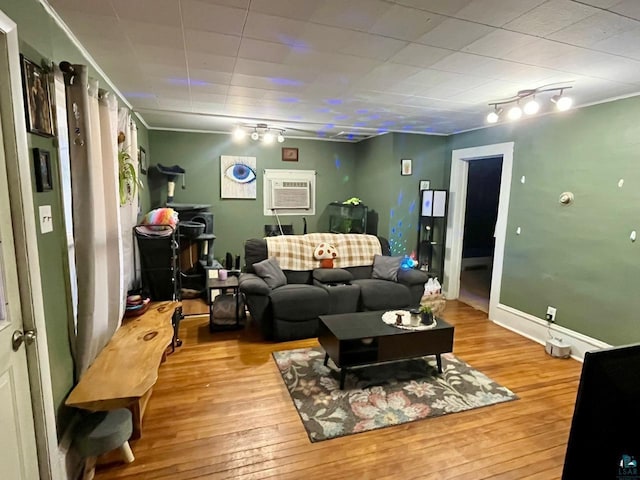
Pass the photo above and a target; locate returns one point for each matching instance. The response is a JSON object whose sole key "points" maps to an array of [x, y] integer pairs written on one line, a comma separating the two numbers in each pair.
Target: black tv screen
{"points": [[604, 440]]}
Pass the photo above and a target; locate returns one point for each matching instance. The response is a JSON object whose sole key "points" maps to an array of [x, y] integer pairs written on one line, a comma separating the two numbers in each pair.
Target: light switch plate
{"points": [[46, 221]]}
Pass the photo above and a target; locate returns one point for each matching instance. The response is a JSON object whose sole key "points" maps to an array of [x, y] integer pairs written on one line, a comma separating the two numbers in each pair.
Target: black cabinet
{"points": [[432, 232]]}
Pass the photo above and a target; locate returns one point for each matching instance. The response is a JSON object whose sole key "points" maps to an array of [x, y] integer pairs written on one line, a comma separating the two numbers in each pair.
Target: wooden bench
{"points": [[126, 369]]}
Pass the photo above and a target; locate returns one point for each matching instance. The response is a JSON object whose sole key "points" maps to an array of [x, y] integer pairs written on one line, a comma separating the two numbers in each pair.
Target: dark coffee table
{"points": [[342, 337]]}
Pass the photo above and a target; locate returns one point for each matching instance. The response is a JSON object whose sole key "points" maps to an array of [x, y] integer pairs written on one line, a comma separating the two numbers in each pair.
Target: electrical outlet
{"points": [[551, 314]]}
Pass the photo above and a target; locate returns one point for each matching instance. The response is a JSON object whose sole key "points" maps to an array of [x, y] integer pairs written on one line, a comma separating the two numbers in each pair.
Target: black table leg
{"points": [[439, 360], [326, 359], [343, 374], [237, 292]]}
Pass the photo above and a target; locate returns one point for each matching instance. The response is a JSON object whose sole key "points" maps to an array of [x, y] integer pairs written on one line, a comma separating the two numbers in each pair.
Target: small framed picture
{"points": [[405, 166], [142, 161], [425, 184], [37, 99], [289, 154], [42, 169]]}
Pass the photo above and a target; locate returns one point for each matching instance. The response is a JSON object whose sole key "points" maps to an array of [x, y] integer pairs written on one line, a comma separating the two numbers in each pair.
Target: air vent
{"points": [[290, 194]]}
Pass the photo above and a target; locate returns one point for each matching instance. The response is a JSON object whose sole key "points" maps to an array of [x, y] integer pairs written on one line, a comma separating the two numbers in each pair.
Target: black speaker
{"points": [[228, 261]]}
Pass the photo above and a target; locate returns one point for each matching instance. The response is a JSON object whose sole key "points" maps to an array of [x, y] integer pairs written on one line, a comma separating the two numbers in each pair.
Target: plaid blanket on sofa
{"points": [[295, 252]]}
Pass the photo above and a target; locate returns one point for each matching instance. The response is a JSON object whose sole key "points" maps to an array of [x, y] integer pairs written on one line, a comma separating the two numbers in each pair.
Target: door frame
{"points": [[457, 206], [26, 242]]}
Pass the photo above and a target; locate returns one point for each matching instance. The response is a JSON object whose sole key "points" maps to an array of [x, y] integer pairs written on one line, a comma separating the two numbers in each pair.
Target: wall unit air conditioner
{"points": [[290, 194]]}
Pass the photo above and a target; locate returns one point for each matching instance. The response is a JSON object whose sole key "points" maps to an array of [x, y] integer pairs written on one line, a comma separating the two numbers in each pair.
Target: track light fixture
{"points": [[260, 131], [532, 106]]}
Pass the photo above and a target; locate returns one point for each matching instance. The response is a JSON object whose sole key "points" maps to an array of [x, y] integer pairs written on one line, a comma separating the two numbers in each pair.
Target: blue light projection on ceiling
{"points": [[362, 111], [323, 110], [294, 44], [337, 163], [286, 81], [333, 101], [290, 100], [341, 117]]}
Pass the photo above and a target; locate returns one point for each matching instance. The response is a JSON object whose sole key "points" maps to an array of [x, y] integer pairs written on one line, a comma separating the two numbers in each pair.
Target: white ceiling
{"points": [[321, 67]]}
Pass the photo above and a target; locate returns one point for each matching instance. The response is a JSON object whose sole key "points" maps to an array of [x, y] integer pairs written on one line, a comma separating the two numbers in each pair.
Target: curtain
{"points": [[96, 223], [128, 133]]}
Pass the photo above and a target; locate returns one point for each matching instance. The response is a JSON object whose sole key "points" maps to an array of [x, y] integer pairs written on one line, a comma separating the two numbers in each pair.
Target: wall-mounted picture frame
{"points": [[37, 99], [238, 177], [406, 167], [142, 161], [42, 170], [425, 184], [289, 154]]}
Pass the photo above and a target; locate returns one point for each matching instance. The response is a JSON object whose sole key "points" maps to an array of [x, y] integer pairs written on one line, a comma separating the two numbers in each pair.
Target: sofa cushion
{"points": [[376, 294], [299, 302], [386, 268], [269, 270], [332, 275]]}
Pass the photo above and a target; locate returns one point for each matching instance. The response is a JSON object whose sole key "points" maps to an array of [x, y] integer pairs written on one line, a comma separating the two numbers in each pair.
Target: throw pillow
{"points": [[269, 270], [386, 268], [333, 275]]}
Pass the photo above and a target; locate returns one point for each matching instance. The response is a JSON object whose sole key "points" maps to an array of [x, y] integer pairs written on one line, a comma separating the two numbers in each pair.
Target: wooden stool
{"points": [[101, 432]]}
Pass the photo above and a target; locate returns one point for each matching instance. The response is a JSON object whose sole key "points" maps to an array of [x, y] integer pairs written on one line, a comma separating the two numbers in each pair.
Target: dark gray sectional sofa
{"points": [[291, 311]]}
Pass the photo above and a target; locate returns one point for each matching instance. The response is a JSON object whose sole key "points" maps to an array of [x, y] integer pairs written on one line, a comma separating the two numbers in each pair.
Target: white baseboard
{"points": [[536, 329]]}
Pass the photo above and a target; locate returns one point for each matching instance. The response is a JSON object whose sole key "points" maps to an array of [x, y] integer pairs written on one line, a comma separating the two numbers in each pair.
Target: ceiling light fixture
{"points": [[494, 116], [532, 106], [515, 112], [260, 131], [562, 102]]}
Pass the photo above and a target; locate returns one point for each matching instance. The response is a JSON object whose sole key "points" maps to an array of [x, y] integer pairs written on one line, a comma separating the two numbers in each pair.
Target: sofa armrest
{"points": [[412, 277], [252, 284]]}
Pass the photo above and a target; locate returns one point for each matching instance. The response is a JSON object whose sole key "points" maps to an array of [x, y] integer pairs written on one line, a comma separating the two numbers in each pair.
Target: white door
{"points": [[18, 458]]}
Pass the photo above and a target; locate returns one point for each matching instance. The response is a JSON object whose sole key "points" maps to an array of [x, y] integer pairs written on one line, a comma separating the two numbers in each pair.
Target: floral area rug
{"points": [[380, 395]]}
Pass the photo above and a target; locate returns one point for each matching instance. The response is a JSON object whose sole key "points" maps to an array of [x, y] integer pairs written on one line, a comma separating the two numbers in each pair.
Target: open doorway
{"points": [[460, 160], [478, 244]]}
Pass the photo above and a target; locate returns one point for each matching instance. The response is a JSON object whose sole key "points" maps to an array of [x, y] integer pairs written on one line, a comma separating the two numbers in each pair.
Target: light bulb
{"points": [[515, 113], [239, 133], [267, 137], [255, 135], [531, 107], [564, 103], [492, 117], [280, 138]]}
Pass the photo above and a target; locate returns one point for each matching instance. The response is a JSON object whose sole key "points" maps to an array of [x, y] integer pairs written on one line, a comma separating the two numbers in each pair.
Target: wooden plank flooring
{"points": [[221, 411]]}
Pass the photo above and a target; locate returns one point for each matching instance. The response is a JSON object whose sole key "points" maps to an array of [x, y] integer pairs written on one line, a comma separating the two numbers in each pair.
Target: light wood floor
{"points": [[220, 410]]}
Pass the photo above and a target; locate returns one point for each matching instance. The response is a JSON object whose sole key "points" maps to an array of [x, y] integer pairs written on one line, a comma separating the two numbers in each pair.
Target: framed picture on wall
{"points": [[142, 161], [425, 184], [406, 166], [289, 154], [37, 99], [42, 170]]}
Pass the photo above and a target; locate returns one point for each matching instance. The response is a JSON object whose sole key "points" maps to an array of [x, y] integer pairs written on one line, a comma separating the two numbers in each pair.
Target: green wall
{"points": [[577, 258], [398, 203], [41, 39], [237, 220]]}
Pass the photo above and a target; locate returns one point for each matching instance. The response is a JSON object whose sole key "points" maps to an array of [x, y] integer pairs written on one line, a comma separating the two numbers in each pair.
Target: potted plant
{"points": [[427, 314], [128, 180]]}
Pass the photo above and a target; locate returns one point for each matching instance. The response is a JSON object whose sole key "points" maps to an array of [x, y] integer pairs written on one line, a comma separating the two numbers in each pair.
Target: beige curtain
{"points": [[98, 258]]}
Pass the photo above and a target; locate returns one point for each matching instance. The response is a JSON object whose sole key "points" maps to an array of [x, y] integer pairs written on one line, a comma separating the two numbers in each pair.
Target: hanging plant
{"points": [[127, 178]]}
